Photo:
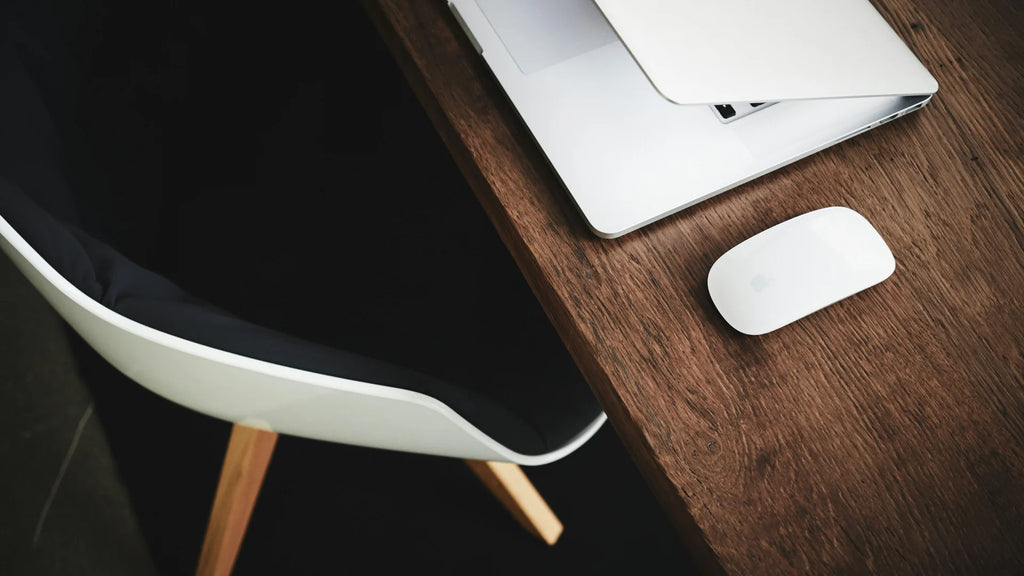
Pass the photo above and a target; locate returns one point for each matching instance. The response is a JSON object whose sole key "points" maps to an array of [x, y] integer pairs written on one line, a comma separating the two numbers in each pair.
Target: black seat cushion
{"points": [[323, 230]]}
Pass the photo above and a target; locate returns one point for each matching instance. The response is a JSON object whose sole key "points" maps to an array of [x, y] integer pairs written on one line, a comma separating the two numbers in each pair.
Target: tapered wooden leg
{"points": [[241, 476], [511, 486]]}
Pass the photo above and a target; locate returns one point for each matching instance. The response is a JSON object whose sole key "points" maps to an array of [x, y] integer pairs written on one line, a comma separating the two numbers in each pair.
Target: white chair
{"points": [[265, 399], [265, 382]]}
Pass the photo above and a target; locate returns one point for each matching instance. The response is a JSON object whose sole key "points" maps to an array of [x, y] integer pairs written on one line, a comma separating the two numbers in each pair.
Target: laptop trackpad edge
{"points": [[541, 33]]}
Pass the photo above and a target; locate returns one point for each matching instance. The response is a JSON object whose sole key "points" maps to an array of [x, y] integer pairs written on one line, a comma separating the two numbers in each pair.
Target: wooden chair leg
{"points": [[245, 464], [515, 491]]}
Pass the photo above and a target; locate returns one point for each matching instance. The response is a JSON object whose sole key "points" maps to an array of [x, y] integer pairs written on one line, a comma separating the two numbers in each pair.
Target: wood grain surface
{"points": [[884, 434]]}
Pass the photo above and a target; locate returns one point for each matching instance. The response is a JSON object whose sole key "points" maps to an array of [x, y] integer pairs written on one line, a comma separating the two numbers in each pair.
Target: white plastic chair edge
{"points": [[266, 395]]}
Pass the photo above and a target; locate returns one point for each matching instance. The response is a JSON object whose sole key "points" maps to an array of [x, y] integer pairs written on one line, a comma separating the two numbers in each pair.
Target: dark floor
{"points": [[63, 506], [122, 485]]}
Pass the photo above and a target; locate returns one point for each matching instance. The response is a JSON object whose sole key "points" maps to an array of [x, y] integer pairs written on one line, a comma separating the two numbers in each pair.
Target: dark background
{"points": [[272, 160]]}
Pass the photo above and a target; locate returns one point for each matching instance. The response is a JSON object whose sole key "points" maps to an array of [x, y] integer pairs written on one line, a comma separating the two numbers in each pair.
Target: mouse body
{"points": [[796, 268]]}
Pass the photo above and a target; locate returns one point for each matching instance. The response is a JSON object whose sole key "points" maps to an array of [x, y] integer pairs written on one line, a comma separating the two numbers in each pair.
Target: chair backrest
{"points": [[262, 394]]}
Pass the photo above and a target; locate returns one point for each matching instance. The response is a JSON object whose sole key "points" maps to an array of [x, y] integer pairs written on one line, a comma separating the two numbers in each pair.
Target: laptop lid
{"points": [[713, 51]]}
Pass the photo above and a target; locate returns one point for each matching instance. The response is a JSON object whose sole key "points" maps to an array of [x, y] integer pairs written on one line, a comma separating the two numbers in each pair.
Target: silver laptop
{"points": [[646, 107]]}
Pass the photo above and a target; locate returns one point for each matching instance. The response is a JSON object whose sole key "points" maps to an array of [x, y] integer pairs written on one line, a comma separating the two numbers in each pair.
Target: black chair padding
{"points": [[362, 259]]}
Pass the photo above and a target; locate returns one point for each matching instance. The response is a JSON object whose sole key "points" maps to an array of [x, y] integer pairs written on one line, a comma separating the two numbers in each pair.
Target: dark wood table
{"points": [[884, 434]]}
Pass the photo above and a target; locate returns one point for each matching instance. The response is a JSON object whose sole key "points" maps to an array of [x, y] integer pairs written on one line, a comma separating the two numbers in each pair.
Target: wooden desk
{"points": [[884, 434]]}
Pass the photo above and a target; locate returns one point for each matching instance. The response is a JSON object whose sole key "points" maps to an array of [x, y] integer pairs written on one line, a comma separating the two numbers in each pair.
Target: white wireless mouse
{"points": [[798, 267]]}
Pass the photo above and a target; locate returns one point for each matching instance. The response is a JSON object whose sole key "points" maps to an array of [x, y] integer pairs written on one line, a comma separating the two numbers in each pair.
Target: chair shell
{"points": [[265, 395]]}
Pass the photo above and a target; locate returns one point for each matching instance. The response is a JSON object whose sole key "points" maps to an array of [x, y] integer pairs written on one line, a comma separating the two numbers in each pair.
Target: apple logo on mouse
{"points": [[760, 282]]}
